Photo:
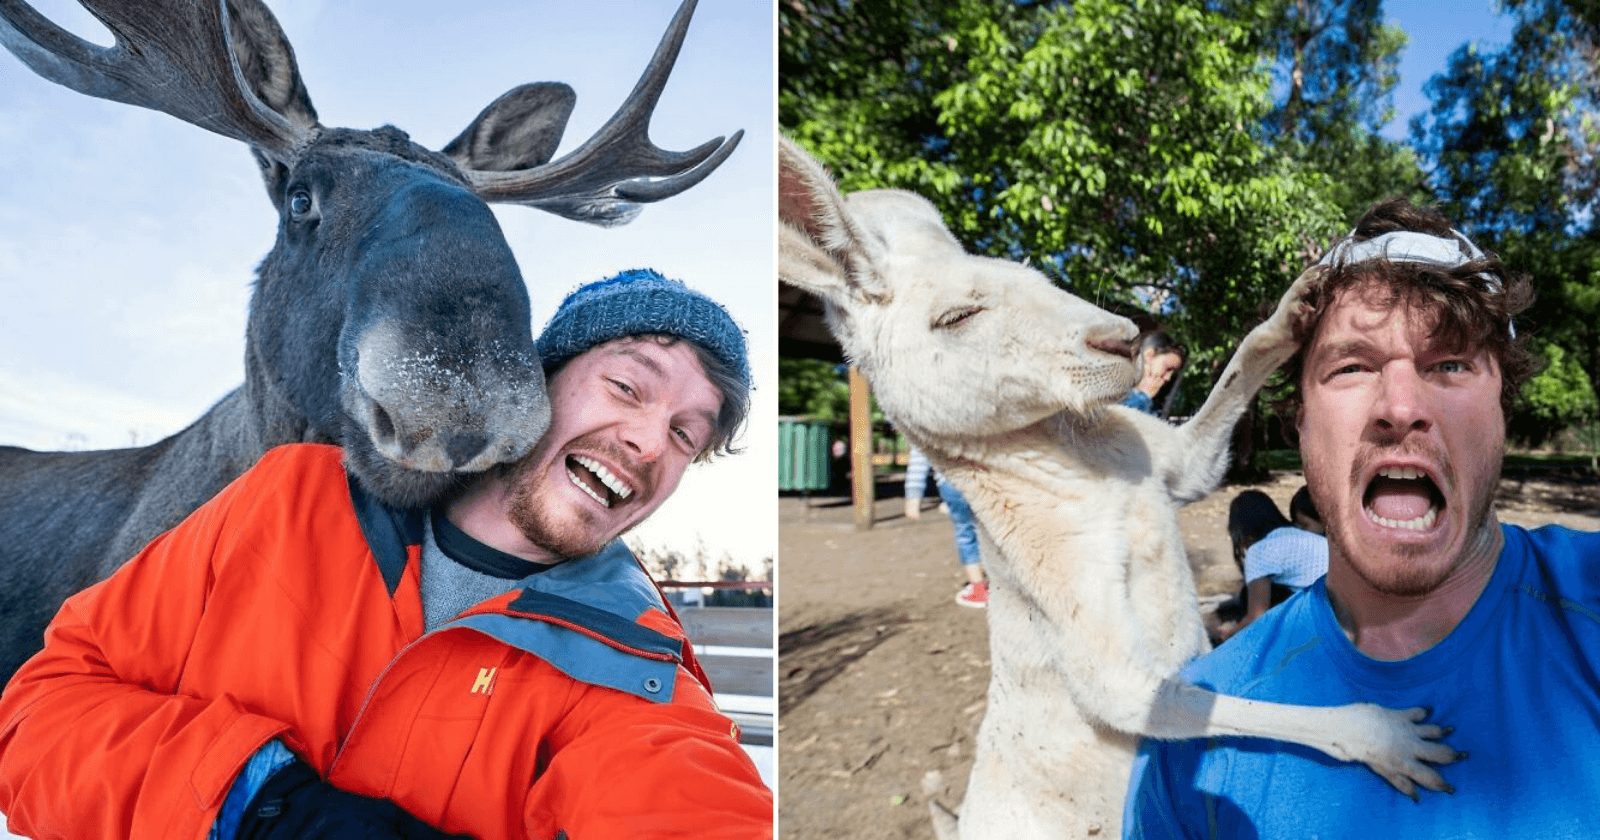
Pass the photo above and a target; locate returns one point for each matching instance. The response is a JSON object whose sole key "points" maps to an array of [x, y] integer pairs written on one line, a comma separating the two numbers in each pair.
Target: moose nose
{"points": [[464, 446]]}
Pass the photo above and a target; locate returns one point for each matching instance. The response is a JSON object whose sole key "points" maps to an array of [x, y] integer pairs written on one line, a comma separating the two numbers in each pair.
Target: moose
{"points": [[1010, 385], [390, 316]]}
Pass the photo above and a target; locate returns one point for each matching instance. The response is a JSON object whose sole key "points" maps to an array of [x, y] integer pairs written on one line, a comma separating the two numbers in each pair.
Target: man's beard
{"points": [[1405, 581], [568, 530]]}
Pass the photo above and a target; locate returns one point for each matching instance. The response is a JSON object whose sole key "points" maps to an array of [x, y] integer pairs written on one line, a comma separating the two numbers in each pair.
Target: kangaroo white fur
{"points": [[1010, 385]]}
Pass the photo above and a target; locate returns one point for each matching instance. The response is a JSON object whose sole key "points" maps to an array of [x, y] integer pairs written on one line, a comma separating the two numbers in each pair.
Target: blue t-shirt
{"points": [[1518, 678]]}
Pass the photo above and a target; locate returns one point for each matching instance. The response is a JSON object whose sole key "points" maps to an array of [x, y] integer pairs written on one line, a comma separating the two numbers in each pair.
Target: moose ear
{"points": [[821, 248], [266, 61], [520, 130]]}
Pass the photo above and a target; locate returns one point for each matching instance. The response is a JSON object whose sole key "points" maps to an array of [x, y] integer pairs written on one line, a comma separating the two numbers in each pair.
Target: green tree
{"points": [[1336, 64], [856, 80], [1560, 397], [812, 388]]}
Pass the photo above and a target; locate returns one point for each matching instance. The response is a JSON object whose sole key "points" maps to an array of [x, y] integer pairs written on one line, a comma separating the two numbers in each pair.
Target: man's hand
{"points": [[296, 804]]}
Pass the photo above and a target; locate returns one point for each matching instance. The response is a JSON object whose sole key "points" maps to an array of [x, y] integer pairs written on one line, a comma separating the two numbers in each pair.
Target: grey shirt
{"points": [[459, 572]]}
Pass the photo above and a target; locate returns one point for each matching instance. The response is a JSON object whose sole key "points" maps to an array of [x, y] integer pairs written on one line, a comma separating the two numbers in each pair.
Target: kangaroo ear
{"points": [[520, 130], [821, 248]]}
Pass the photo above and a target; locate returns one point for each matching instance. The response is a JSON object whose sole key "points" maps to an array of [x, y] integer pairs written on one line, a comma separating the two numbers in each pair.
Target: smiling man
{"points": [[296, 660], [1409, 361]]}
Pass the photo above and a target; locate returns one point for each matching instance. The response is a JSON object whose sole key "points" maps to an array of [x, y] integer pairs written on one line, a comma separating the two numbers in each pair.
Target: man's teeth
{"points": [[611, 482], [1421, 523], [582, 485]]}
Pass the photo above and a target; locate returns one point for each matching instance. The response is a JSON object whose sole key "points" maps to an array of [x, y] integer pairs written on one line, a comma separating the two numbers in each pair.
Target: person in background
{"points": [[916, 486], [1161, 365], [975, 593], [1284, 561]]}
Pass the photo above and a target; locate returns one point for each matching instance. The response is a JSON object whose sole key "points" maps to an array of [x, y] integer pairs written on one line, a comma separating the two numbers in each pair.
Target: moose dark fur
{"points": [[390, 316]]}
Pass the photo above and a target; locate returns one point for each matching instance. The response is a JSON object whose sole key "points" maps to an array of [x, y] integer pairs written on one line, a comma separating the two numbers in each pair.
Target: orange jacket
{"points": [[288, 607]]}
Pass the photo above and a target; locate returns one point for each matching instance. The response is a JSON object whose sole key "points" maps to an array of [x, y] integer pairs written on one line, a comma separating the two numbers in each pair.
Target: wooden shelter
{"points": [[803, 334]]}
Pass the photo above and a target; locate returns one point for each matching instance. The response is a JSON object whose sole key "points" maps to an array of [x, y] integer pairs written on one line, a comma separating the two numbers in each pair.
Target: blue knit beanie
{"points": [[637, 302]]}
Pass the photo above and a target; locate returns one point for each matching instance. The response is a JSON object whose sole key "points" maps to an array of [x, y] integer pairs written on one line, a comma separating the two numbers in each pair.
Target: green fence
{"points": [[803, 454]]}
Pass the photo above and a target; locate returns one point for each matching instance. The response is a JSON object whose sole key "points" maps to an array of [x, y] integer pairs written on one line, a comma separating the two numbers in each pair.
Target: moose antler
{"points": [[173, 56], [606, 179]]}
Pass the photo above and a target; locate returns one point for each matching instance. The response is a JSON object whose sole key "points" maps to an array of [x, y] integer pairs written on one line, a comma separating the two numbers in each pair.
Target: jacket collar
{"points": [[603, 593], [388, 531]]}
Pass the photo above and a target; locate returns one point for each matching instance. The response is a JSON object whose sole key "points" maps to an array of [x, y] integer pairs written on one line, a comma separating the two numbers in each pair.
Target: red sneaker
{"points": [[975, 595]]}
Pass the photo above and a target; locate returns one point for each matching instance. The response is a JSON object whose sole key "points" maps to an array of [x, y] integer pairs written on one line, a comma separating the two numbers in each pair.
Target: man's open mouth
{"points": [[593, 478], [1403, 497]]}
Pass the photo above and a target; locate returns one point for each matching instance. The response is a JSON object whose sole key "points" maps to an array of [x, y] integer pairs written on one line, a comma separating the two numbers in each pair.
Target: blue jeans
{"points": [[961, 518]]}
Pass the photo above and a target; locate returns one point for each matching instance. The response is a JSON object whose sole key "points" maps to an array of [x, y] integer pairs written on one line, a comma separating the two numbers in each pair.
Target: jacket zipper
{"points": [[372, 690]]}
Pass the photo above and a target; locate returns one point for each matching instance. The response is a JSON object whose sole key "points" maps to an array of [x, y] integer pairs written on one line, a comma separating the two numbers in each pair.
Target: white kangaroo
{"points": [[1010, 385]]}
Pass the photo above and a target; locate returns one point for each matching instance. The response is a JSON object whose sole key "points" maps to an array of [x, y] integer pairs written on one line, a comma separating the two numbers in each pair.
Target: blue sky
{"points": [[128, 239], [1434, 29]]}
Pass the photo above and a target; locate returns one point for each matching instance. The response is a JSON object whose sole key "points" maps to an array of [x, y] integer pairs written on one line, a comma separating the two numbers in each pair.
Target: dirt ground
{"points": [[882, 676]]}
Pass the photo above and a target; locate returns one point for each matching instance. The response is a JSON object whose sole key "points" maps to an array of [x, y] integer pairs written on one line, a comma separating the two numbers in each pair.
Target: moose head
{"points": [[390, 315]]}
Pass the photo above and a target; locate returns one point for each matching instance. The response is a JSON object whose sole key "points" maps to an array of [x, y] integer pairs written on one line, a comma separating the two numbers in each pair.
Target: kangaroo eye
{"points": [[955, 316]]}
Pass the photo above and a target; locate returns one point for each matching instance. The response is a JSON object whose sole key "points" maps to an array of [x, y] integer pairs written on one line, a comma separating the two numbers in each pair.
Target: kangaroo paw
{"points": [[1276, 334], [1398, 746]]}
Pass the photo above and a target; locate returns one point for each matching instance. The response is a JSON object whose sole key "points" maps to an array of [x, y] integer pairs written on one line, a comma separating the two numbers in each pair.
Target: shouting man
{"points": [[1409, 362], [297, 660]]}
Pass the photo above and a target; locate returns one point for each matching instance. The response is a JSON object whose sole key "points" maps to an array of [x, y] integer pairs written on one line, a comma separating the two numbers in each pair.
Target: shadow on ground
{"points": [[1571, 492], [815, 654]]}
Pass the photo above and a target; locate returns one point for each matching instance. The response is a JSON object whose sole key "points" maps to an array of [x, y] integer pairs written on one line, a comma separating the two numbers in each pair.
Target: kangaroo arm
{"points": [[1394, 743], [1122, 693], [1205, 438]]}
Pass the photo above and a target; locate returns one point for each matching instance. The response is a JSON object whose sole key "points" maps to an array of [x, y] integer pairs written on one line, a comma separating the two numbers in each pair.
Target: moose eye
{"points": [[299, 203], [955, 316]]}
